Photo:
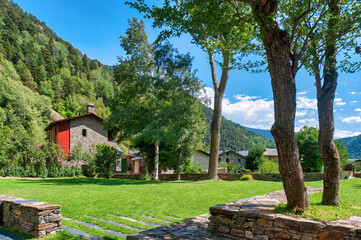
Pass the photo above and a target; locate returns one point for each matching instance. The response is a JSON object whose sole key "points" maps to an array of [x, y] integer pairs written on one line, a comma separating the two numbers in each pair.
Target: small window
{"points": [[227, 160], [83, 132], [239, 160], [110, 136]]}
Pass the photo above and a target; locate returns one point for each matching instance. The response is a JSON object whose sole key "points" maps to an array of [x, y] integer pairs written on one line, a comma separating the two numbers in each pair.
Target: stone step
{"points": [[8, 236], [114, 233], [79, 233], [137, 221], [117, 224], [174, 217], [161, 220]]}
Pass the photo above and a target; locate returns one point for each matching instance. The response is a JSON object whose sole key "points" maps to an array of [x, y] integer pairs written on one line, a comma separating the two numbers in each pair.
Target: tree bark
{"points": [[156, 161], [325, 99], [179, 156], [277, 45], [219, 88]]}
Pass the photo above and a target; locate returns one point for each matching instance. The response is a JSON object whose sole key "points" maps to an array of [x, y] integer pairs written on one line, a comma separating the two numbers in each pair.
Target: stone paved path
{"points": [[8, 236], [196, 228]]}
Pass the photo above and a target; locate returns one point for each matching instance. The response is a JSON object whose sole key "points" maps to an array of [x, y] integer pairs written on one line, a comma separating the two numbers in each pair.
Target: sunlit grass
{"points": [[131, 198], [350, 203]]}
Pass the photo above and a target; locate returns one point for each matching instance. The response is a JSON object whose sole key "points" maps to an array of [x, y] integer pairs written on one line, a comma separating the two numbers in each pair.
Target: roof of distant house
{"points": [[270, 152], [201, 151], [72, 118]]}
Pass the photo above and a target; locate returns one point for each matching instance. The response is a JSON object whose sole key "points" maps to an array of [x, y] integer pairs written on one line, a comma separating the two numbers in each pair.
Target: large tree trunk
{"points": [[325, 98], [219, 88], [277, 45], [156, 160]]}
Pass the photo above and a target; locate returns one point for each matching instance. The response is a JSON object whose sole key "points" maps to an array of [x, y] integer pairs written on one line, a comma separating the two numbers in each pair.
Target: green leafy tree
{"points": [[156, 97], [311, 160], [105, 159], [211, 26], [268, 166], [254, 158], [342, 151]]}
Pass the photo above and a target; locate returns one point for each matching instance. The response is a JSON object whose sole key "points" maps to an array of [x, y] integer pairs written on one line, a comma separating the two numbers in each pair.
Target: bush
{"points": [[105, 159], [146, 177], [191, 168], [254, 158], [268, 166], [246, 177]]}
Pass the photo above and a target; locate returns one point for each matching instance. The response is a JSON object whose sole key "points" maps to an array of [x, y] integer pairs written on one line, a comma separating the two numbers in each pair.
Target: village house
{"points": [[270, 153], [229, 156], [86, 129]]}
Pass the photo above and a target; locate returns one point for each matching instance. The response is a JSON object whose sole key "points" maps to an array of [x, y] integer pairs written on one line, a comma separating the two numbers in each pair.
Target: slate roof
{"points": [[72, 118]]}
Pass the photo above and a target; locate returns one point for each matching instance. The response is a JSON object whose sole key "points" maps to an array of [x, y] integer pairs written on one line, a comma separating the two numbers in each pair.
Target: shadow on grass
{"points": [[96, 181]]}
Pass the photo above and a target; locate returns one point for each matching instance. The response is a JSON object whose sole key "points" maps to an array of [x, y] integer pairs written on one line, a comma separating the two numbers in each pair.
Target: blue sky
{"points": [[94, 28]]}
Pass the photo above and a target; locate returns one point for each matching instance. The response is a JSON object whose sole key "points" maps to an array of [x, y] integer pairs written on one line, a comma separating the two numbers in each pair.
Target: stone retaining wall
{"points": [[38, 219], [224, 176], [255, 220]]}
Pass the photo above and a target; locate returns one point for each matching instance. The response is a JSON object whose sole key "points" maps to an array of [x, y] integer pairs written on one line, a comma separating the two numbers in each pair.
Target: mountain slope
{"points": [[265, 133], [234, 136], [353, 144], [51, 66]]}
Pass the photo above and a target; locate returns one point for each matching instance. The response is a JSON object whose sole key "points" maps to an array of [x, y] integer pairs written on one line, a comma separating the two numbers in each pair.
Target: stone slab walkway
{"points": [[8, 236], [196, 228]]}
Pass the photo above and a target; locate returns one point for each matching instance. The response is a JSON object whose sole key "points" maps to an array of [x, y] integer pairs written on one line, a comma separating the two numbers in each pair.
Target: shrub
{"points": [[191, 168], [268, 166], [105, 159], [254, 158], [246, 177], [244, 171], [146, 177]]}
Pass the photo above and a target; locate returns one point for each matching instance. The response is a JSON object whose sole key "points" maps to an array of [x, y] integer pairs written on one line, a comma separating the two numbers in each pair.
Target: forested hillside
{"points": [[353, 144], [51, 66], [40, 71], [234, 136]]}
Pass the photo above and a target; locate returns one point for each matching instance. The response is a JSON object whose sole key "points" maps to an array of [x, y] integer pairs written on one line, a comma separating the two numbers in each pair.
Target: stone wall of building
{"points": [[237, 159], [35, 218], [95, 133]]}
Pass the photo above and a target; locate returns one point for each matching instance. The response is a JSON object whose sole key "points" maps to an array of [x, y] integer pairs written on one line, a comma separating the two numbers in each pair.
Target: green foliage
{"points": [[40, 56], [105, 159], [246, 177], [233, 168], [254, 158], [157, 100], [191, 168], [268, 166], [146, 177], [353, 144], [307, 139], [342, 152], [311, 160]]}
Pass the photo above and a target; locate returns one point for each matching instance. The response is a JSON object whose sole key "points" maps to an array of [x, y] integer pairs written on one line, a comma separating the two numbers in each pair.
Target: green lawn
{"points": [[131, 198]]}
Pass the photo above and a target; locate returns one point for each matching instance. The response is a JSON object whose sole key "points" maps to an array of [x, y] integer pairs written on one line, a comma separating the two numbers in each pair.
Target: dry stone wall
{"points": [[254, 219], [35, 218]]}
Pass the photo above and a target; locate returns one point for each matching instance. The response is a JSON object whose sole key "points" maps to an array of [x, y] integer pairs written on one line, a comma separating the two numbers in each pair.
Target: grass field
{"points": [[101, 198], [131, 198]]}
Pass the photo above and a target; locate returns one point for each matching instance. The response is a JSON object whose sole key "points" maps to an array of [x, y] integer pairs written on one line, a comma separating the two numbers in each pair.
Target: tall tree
{"points": [[336, 29], [157, 95], [211, 26]]}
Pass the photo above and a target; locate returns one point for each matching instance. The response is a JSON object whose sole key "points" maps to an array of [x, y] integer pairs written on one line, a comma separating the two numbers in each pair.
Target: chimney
{"points": [[90, 108]]}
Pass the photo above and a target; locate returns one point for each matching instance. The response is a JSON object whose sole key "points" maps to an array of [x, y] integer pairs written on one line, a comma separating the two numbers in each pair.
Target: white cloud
{"points": [[303, 102], [353, 102], [339, 102], [352, 120], [301, 113], [345, 133], [250, 111], [353, 93], [308, 121], [358, 109]]}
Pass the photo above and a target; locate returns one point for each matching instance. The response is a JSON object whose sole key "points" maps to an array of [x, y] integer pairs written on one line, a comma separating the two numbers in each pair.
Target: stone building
{"points": [[86, 129], [202, 158], [229, 156]]}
